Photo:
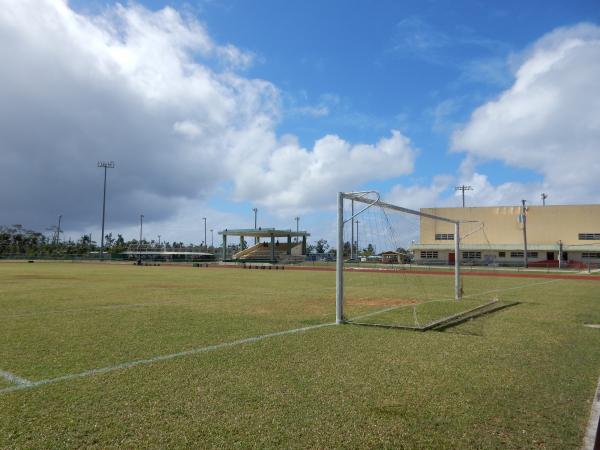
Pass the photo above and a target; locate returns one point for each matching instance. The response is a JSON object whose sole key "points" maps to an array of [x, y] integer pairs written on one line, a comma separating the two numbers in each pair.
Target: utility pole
{"points": [[524, 221], [212, 242], [105, 165], [58, 230], [297, 219], [544, 197], [159, 240], [463, 188], [140, 241], [255, 212], [356, 222], [352, 232], [205, 244]]}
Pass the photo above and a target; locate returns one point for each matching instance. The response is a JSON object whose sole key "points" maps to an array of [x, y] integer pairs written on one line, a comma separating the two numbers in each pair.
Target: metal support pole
{"points": [[205, 243], [255, 212], [339, 263], [357, 248], [457, 282], [105, 165], [524, 218], [272, 248], [212, 240], [297, 219], [352, 232], [58, 230], [560, 254], [224, 246], [140, 242]]}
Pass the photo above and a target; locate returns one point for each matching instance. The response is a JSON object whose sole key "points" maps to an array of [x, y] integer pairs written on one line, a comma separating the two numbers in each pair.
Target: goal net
{"points": [[399, 267]]}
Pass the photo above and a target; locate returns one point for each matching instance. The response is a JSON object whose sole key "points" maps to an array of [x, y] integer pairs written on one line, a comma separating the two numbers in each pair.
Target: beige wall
{"points": [[545, 224]]}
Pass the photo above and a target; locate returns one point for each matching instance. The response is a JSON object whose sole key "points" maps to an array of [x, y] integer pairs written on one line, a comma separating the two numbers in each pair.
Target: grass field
{"points": [[523, 377]]}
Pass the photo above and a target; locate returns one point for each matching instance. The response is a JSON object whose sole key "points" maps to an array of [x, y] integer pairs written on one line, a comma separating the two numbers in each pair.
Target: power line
{"points": [[463, 188]]}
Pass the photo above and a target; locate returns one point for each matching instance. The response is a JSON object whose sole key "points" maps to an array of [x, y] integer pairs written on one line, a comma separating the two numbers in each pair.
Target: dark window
{"points": [[502, 254], [444, 237], [589, 236], [429, 254], [471, 255], [589, 255]]}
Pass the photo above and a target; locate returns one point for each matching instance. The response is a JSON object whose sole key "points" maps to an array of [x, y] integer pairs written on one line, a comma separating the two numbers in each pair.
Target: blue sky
{"points": [[355, 70]]}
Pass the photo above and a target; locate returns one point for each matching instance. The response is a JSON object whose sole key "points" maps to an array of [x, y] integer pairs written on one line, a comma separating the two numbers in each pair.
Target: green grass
{"points": [[523, 377]]}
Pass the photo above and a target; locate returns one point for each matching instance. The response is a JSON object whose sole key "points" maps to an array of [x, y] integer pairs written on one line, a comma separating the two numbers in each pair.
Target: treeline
{"points": [[19, 241]]}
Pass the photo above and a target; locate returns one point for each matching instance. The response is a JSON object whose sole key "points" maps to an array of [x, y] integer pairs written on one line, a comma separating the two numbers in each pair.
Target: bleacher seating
{"points": [[262, 252]]}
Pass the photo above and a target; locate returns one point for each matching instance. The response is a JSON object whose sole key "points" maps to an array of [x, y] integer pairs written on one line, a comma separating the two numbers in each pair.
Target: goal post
{"points": [[366, 198]]}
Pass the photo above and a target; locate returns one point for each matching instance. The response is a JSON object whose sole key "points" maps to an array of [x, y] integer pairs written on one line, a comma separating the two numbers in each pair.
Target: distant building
{"points": [[570, 233]]}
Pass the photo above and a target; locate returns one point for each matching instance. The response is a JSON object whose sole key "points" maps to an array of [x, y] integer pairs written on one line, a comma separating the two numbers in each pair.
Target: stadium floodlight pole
{"points": [[212, 242], [140, 242], [159, 240], [463, 188], [255, 213], [297, 219], [205, 244], [524, 220], [544, 197], [105, 165]]}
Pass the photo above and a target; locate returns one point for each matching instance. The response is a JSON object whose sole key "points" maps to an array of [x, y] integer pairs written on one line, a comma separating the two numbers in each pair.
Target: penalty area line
{"points": [[26, 384], [12, 378]]}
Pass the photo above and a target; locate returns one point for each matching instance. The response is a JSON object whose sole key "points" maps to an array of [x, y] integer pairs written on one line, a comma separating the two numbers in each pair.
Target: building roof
{"points": [[262, 232]]}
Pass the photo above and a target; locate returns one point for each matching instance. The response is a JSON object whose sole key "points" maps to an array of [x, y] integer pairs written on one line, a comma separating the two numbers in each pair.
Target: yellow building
{"points": [[494, 235]]}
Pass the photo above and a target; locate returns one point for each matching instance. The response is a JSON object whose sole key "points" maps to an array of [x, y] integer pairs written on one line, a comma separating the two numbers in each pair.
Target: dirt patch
{"points": [[381, 301], [42, 277]]}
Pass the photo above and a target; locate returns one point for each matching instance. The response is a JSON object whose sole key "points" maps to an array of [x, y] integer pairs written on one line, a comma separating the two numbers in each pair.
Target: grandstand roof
{"points": [[262, 232]]}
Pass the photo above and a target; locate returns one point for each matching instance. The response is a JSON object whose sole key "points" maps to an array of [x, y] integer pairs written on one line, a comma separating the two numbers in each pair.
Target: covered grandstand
{"points": [[292, 247]]}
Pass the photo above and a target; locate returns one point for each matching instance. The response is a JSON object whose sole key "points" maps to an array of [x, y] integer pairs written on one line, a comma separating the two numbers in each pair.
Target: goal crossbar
{"points": [[362, 198]]}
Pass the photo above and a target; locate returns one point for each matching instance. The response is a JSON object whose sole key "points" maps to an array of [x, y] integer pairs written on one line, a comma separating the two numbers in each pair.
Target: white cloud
{"points": [[549, 120], [152, 91], [292, 178]]}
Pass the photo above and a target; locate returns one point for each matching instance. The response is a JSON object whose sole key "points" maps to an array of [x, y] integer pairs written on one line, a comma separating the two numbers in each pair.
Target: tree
{"points": [[321, 246]]}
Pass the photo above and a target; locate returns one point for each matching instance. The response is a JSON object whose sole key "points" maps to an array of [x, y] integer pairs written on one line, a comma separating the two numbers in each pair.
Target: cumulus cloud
{"points": [[548, 121], [152, 91]]}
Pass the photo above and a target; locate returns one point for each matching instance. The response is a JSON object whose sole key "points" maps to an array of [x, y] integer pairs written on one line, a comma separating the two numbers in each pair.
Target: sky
{"points": [[215, 107]]}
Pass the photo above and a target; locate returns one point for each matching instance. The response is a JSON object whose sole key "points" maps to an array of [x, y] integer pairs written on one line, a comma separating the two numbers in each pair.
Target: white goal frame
{"points": [[362, 197]]}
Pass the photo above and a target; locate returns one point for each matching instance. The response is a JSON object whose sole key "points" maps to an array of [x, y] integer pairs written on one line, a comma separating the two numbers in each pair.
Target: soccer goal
{"points": [[399, 267]]}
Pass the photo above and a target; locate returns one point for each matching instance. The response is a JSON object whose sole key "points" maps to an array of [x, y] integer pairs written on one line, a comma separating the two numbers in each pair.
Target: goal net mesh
{"points": [[399, 269]]}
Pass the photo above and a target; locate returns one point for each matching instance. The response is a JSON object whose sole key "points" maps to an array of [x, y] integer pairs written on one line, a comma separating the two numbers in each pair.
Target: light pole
{"points": [[255, 213], [212, 242], [544, 197], [58, 230], [463, 188], [105, 165], [297, 219], [140, 242], [205, 244], [357, 248]]}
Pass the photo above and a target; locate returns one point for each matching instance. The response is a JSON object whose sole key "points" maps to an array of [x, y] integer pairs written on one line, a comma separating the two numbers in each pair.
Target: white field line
{"points": [[139, 362], [15, 379], [594, 422], [450, 299]]}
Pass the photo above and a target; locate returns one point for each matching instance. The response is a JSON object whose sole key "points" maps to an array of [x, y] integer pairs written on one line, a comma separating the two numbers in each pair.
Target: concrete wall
{"points": [[545, 224]]}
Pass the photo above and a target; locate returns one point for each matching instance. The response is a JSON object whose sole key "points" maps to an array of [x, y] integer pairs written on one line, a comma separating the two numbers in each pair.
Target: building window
{"points": [[590, 255], [429, 254], [471, 255], [444, 237], [589, 236], [501, 254], [520, 254]]}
